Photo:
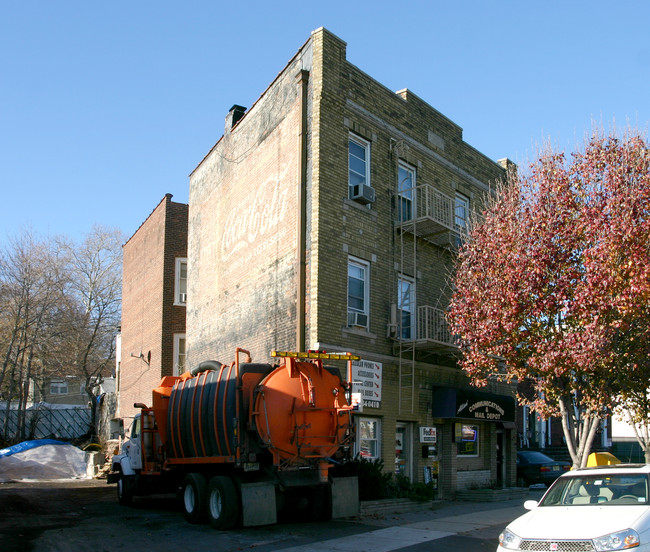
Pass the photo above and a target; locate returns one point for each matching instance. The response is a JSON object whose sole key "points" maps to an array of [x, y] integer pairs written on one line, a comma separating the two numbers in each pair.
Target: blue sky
{"points": [[105, 107]]}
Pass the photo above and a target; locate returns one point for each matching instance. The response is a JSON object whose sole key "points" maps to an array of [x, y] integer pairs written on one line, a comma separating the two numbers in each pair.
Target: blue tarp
{"points": [[26, 445]]}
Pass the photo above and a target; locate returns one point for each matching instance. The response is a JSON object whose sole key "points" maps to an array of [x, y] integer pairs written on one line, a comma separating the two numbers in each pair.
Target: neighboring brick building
{"points": [[326, 217], [153, 304]]}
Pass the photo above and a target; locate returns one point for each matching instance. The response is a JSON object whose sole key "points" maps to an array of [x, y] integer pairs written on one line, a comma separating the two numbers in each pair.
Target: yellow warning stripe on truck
{"points": [[315, 355]]}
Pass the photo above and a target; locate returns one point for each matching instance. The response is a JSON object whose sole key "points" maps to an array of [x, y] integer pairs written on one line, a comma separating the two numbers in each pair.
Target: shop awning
{"points": [[449, 402]]}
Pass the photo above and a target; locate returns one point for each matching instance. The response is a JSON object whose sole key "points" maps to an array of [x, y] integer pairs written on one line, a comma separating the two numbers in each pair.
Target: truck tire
{"points": [[193, 495], [125, 487], [223, 506]]}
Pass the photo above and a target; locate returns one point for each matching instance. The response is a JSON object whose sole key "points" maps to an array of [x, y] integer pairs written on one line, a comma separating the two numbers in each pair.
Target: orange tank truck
{"points": [[245, 443]]}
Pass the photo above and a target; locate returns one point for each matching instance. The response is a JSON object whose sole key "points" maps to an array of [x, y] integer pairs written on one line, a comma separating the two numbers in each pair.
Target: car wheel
{"points": [[223, 505], [193, 494]]}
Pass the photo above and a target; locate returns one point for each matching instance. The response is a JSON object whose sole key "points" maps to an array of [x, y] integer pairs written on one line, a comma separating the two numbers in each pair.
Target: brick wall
{"points": [[149, 318]]}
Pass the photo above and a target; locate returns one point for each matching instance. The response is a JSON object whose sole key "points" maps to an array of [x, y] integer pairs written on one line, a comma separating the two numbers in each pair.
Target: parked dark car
{"points": [[535, 467]]}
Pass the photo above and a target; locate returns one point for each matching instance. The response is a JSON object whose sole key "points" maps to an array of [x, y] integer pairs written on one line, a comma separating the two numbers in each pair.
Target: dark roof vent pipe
{"points": [[234, 115]]}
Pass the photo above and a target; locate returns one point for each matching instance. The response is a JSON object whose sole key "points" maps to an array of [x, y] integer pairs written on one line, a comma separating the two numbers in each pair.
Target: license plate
{"points": [[251, 466], [556, 468]]}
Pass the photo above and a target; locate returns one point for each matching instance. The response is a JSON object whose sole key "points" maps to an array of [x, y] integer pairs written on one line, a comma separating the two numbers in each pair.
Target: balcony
{"points": [[429, 214], [432, 327]]}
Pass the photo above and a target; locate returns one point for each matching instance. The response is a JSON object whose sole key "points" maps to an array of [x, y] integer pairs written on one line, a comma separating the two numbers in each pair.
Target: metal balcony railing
{"points": [[430, 214], [432, 327]]}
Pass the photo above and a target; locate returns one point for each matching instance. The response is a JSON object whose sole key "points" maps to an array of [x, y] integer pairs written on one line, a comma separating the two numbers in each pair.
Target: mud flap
{"points": [[258, 504], [345, 497]]}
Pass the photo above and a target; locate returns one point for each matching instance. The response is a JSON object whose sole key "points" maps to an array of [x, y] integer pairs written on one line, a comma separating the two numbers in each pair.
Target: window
{"points": [[467, 439], [406, 306], [369, 431], [180, 293], [358, 165], [179, 354], [58, 388], [461, 211], [358, 286], [405, 191]]}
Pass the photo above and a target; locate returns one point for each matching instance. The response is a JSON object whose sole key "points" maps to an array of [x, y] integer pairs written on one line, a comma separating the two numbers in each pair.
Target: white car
{"points": [[590, 509]]}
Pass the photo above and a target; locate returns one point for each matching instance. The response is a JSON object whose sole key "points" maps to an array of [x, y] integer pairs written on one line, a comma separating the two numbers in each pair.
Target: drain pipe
{"points": [[303, 81]]}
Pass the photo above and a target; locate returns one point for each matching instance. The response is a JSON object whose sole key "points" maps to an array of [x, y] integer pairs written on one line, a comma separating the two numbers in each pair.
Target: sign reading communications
{"points": [[366, 379]]}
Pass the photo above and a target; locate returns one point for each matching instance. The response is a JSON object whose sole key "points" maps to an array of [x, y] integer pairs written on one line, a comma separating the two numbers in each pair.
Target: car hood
{"points": [[577, 522]]}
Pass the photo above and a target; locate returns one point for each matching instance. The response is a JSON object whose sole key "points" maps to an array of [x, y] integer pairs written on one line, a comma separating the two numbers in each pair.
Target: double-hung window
{"points": [[461, 212], [358, 293], [59, 387], [405, 192], [180, 288], [406, 306], [179, 354], [358, 165]]}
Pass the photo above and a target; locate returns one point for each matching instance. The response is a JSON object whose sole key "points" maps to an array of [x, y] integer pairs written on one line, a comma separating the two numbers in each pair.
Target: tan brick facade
{"points": [[149, 316], [243, 245]]}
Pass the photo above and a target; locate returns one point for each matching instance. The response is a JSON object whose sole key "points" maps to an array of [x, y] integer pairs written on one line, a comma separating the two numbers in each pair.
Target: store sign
{"points": [[428, 435], [366, 379], [472, 405]]}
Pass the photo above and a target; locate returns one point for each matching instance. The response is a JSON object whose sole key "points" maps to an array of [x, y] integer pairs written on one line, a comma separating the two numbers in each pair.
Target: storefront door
{"points": [[403, 450]]}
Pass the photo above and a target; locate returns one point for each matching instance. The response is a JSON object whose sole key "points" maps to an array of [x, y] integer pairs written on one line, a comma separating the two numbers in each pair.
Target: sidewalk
{"points": [[453, 516]]}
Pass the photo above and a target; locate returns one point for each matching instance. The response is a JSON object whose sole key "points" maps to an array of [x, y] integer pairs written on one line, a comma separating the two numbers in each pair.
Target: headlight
{"points": [[617, 541], [509, 540]]}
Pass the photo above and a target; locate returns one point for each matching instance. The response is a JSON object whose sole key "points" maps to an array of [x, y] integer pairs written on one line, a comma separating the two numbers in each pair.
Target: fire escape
{"points": [[425, 219]]}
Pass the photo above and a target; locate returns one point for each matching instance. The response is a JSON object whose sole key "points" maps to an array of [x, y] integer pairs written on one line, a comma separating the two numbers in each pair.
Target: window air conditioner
{"points": [[183, 297], [358, 319], [362, 193]]}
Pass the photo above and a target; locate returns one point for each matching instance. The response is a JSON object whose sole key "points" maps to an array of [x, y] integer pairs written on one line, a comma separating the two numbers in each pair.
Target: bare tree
{"points": [[92, 307]]}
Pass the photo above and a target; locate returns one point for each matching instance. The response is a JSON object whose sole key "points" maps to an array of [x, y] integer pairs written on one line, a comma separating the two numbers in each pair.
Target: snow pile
{"points": [[45, 461]]}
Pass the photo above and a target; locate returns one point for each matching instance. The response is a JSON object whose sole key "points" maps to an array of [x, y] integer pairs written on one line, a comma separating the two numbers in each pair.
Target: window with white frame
{"points": [[406, 306], [358, 292], [179, 354], [405, 191], [461, 211], [59, 387], [369, 432], [180, 293], [358, 165]]}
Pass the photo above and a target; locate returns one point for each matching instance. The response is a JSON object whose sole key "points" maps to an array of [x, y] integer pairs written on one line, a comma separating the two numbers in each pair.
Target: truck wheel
{"points": [[125, 485], [193, 491], [223, 505]]}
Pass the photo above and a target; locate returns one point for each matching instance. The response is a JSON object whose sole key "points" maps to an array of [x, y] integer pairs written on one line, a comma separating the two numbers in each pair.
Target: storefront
{"points": [[478, 444]]}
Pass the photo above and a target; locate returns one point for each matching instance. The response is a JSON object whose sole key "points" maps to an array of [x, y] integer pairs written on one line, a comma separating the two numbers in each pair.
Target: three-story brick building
{"points": [[327, 217]]}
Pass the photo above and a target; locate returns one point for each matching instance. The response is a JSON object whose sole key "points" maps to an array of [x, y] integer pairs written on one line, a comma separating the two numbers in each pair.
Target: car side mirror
{"points": [[531, 504]]}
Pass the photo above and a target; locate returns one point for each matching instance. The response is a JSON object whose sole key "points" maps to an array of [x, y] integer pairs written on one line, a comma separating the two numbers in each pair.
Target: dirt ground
{"points": [[84, 515]]}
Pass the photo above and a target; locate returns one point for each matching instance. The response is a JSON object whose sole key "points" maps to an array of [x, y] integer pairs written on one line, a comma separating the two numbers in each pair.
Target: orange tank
{"points": [[301, 412]]}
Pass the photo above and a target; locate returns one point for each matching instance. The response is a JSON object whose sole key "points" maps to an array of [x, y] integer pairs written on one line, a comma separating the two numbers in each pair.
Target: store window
{"points": [[467, 437], [369, 432]]}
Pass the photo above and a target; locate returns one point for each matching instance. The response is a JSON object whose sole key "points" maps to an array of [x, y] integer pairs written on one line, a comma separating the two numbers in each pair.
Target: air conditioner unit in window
{"points": [[362, 193], [182, 297], [358, 319]]}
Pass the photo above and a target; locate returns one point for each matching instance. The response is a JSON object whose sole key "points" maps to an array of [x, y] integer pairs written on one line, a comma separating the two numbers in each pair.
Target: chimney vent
{"points": [[234, 115]]}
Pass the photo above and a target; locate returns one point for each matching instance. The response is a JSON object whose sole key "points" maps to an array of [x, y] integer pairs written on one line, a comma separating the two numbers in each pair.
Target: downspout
{"points": [[303, 80]]}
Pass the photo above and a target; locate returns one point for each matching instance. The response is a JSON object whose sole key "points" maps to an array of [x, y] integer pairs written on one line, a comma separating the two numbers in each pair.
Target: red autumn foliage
{"points": [[553, 284]]}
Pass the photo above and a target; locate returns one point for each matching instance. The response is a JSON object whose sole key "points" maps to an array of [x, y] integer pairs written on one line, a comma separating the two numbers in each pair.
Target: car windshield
{"points": [[598, 489]]}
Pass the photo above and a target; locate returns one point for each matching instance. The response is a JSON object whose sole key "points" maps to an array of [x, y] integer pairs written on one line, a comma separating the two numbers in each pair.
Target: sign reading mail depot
{"points": [[449, 402]]}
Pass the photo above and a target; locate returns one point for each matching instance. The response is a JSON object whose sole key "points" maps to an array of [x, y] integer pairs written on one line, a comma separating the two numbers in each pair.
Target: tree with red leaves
{"points": [[552, 286]]}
